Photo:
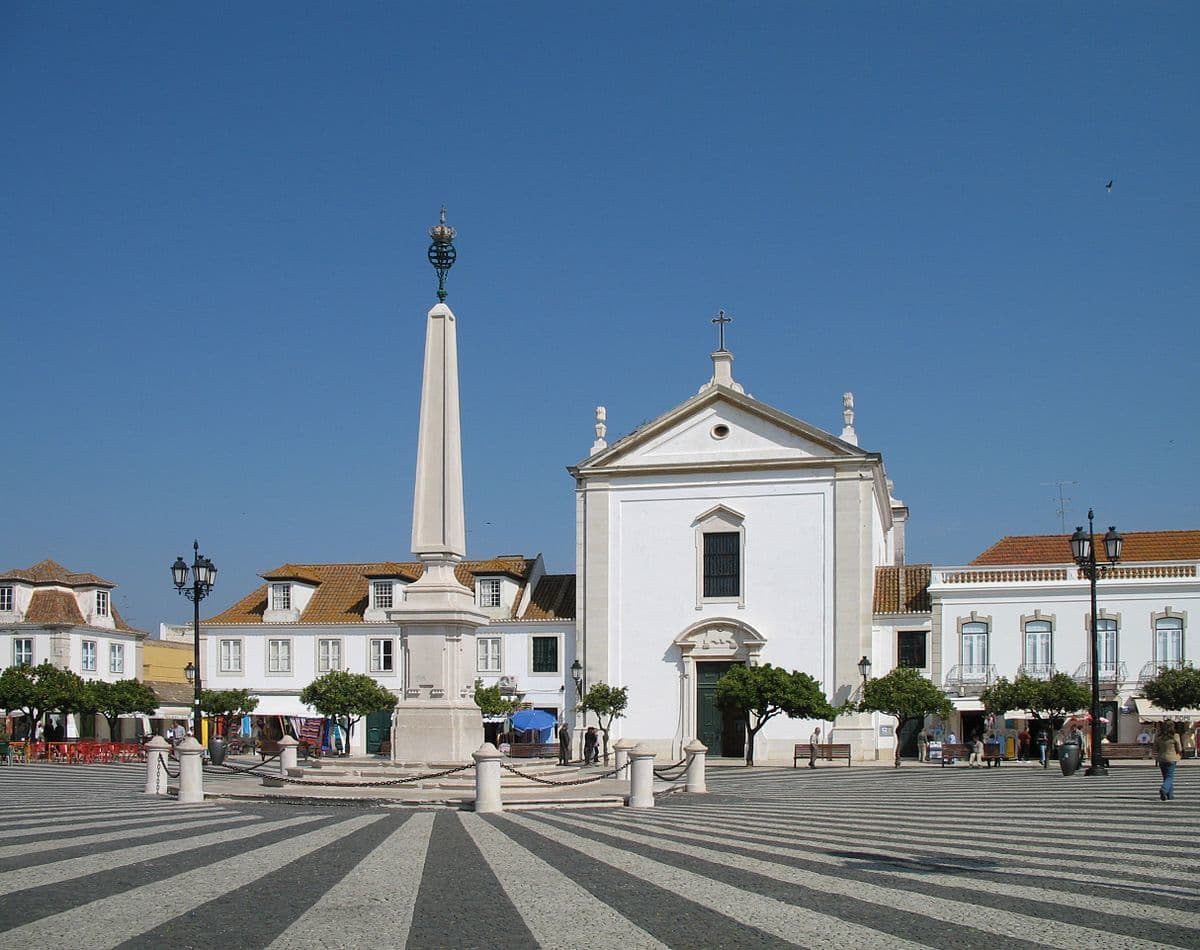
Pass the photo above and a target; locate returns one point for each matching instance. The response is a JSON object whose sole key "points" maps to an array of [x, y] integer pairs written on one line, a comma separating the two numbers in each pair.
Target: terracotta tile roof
{"points": [[173, 694], [903, 589], [341, 594], [1139, 547], [51, 572], [53, 606], [120, 622], [553, 599]]}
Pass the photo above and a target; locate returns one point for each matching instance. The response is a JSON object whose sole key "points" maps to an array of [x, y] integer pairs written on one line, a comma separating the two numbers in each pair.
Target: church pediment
{"points": [[721, 426]]}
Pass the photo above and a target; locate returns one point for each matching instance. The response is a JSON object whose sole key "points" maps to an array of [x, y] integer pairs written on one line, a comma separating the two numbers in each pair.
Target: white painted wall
{"points": [[788, 578]]}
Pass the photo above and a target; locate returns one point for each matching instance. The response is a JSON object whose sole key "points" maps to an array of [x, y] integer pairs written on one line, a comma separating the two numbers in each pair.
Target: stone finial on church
{"points": [[601, 430], [848, 433]]}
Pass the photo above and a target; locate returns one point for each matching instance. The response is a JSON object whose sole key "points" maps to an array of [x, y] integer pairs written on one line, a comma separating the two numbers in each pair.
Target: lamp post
{"points": [[864, 670], [203, 576], [1083, 549]]}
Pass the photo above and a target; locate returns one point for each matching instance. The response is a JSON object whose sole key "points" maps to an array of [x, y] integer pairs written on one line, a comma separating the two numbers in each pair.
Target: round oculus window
{"points": [[720, 430]]}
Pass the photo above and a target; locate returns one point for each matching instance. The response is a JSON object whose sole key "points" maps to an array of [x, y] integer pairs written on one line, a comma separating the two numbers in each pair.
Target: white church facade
{"points": [[729, 532]]}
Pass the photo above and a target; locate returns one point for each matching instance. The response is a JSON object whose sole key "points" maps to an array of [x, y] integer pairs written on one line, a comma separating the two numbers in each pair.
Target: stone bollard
{"points": [[156, 754], [641, 781], [287, 754], [621, 752], [695, 767], [191, 771], [487, 779]]}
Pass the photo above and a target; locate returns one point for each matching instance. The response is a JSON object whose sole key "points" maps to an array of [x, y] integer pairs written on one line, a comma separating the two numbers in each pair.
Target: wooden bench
{"points": [[826, 751], [1127, 750], [952, 751], [533, 750]]}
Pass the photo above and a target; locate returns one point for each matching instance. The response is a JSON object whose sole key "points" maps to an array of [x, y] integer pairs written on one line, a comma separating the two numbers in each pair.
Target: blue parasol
{"points": [[534, 719]]}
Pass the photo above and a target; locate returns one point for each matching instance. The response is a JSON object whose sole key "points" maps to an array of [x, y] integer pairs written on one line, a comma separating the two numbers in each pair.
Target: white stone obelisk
{"points": [[436, 719]]}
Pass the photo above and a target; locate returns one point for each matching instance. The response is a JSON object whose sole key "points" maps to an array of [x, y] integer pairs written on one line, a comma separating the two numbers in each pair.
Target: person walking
{"points": [[1168, 750], [1043, 743], [922, 747], [1024, 739], [813, 741], [564, 744]]}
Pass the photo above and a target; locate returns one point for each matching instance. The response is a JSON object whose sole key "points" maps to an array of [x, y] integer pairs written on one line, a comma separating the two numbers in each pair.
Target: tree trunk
{"points": [[750, 734]]}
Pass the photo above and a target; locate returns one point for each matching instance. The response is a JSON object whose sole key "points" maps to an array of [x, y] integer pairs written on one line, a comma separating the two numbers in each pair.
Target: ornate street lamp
{"points": [[577, 676], [864, 669], [1083, 550], [204, 576]]}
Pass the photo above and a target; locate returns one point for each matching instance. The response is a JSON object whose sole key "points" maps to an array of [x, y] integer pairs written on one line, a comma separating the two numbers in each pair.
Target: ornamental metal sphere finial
{"points": [[441, 252]]}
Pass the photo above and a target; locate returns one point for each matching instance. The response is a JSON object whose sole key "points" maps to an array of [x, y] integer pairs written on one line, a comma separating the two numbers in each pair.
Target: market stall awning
{"points": [[1148, 712], [283, 706]]}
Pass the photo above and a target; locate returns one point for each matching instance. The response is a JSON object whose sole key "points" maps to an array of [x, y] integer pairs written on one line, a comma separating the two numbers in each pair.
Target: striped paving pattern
{"points": [[836, 857]]}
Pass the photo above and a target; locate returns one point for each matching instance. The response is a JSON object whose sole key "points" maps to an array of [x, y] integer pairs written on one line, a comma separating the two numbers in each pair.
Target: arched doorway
{"points": [[708, 650]]}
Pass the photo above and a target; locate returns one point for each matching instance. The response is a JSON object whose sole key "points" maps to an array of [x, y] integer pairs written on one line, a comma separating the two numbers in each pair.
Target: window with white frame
{"points": [[1168, 641], [231, 656], [382, 659], [281, 596], [975, 647], [381, 592], [279, 656], [6, 598], [23, 651], [487, 654], [88, 662], [1039, 647], [1106, 646], [116, 658], [487, 591], [101, 603], [545, 654], [329, 655]]}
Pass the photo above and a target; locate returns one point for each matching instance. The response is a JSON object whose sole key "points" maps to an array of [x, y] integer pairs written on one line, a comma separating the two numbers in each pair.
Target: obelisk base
{"points": [[435, 733]]}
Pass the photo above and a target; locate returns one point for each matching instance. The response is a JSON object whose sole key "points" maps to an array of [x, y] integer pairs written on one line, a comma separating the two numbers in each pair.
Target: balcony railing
{"points": [[1037, 671], [1109, 673], [969, 676], [1150, 670]]}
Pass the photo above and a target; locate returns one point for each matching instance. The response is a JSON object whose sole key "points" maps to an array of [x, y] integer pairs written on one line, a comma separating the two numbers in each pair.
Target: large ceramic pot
{"points": [[217, 748]]}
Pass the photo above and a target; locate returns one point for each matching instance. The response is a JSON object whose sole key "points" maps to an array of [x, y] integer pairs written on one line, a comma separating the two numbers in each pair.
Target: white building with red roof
{"points": [[49, 614]]}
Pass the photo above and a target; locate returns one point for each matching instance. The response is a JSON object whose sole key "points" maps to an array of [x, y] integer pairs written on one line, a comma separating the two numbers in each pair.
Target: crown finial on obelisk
{"points": [[442, 254]]}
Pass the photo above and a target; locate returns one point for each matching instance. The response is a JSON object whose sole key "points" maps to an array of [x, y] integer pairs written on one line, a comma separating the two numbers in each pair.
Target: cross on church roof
{"points": [[720, 320]]}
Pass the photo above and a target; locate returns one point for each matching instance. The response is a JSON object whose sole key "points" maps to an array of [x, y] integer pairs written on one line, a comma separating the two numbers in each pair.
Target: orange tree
{"points": [[760, 693]]}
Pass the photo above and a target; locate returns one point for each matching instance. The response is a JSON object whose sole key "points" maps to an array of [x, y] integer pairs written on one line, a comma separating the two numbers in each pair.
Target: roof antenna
{"points": [[1063, 501]]}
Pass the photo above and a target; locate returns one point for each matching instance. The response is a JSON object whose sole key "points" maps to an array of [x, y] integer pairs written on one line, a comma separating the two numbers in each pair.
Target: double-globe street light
{"points": [[203, 576], [1084, 551]]}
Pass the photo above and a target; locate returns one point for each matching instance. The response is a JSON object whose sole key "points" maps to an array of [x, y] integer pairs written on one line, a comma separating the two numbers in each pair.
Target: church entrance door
{"points": [[723, 732]]}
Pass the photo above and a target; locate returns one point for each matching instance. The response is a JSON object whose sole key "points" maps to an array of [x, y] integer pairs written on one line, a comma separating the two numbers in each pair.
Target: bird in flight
{"points": [[1108, 187]]}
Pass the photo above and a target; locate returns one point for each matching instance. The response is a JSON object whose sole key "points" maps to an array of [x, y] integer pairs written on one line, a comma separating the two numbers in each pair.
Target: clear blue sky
{"points": [[213, 275]]}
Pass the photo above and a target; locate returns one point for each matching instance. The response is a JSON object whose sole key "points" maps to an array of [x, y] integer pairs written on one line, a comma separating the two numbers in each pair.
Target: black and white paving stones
{"points": [[836, 857]]}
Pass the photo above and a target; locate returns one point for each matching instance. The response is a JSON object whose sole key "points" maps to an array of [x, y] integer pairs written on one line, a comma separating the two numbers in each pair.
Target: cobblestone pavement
{"points": [[836, 857]]}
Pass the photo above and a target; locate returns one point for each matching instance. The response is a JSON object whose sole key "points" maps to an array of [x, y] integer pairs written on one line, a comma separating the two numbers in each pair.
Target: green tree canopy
{"points": [[492, 702], [1053, 698], [113, 700], [36, 690], [347, 696], [905, 694], [760, 693], [227, 702], [1174, 689], [608, 703]]}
